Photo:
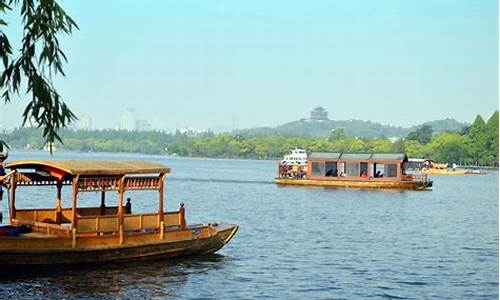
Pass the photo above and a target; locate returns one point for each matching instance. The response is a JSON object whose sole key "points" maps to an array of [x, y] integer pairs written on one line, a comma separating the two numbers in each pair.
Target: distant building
{"points": [[192, 132], [319, 114], [158, 124], [143, 125], [128, 119], [85, 123]]}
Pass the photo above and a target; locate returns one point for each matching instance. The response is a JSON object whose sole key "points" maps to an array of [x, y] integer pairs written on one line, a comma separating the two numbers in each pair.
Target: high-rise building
{"points": [[128, 119], [143, 125], [85, 123]]}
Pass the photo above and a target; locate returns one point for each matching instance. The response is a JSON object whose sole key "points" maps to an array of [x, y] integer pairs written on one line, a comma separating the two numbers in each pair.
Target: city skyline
{"points": [[233, 65]]}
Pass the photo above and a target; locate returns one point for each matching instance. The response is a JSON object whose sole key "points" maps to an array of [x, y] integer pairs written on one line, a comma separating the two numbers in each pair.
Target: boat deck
{"points": [[40, 235]]}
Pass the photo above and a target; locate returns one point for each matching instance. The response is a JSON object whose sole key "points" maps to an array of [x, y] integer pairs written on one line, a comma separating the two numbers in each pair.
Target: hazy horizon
{"points": [[226, 65]]}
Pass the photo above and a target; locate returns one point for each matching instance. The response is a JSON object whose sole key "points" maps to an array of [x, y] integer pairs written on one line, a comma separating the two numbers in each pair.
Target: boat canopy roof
{"points": [[359, 156], [89, 167], [329, 155]]}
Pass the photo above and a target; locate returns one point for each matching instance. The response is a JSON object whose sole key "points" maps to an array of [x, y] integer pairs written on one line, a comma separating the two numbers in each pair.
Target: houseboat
{"points": [[361, 170], [76, 234]]}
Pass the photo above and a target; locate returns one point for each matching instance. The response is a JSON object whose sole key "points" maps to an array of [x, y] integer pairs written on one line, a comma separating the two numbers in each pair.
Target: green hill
{"points": [[358, 128]]}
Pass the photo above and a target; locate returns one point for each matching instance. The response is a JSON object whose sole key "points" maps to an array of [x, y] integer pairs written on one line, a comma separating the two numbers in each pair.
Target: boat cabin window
{"points": [[318, 168], [391, 170], [378, 170], [331, 169], [352, 169], [363, 169]]}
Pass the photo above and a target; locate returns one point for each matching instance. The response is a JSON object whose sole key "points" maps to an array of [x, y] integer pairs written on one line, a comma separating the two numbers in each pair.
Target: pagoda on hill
{"points": [[319, 114]]}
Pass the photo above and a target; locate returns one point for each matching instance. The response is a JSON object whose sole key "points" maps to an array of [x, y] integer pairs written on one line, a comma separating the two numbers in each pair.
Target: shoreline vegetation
{"points": [[476, 144]]}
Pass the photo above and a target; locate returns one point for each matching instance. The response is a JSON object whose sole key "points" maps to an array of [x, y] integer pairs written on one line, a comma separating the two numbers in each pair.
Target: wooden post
{"points": [[162, 230], [160, 206], [74, 196], [121, 191], [73, 237], [13, 197], [59, 201]]}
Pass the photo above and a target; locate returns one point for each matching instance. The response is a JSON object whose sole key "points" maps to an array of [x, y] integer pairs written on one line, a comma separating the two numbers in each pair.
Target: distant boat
{"points": [[431, 167], [362, 170]]}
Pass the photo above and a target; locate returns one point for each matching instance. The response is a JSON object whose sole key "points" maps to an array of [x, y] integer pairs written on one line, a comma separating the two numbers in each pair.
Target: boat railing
{"points": [[95, 211], [131, 222], [44, 220], [50, 215], [42, 227], [415, 177], [97, 224], [46, 215], [291, 171]]}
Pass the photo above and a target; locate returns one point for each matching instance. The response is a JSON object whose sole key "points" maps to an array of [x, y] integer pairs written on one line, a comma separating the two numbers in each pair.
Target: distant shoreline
{"points": [[66, 151]]}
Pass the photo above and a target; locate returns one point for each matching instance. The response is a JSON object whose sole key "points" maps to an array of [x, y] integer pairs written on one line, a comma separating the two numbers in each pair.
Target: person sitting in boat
{"points": [[329, 173], [363, 174], [377, 174]]}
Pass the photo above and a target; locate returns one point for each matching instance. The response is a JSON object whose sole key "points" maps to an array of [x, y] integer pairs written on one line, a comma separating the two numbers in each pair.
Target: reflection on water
{"points": [[151, 278], [294, 242]]}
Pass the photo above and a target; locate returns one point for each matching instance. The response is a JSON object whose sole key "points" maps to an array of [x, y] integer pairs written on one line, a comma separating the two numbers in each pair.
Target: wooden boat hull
{"points": [[412, 185], [84, 255]]}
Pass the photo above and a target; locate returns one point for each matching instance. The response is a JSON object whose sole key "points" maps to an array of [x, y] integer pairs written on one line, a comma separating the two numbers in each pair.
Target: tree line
{"points": [[476, 144]]}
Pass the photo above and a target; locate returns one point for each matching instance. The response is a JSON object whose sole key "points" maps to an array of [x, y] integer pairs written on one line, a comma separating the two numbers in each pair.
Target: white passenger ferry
{"points": [[295, 156]]}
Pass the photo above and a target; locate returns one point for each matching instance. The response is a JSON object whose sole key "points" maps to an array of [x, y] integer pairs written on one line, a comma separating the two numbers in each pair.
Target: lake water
{"points": [[295, 242]]}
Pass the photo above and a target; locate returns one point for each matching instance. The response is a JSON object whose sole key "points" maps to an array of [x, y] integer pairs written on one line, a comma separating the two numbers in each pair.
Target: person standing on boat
{"points": [[3, 156]]}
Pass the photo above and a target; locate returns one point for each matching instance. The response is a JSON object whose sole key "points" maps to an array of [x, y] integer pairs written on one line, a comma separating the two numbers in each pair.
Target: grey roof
{"points": [[389, 156], [330, 155], [359, 156]]}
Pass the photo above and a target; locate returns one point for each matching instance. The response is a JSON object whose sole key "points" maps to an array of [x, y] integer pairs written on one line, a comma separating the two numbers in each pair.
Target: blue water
{"points": [[295, 242]]}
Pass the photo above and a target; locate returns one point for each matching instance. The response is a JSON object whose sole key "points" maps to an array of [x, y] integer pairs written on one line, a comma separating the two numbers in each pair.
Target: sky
{"points": [[240, 64]]}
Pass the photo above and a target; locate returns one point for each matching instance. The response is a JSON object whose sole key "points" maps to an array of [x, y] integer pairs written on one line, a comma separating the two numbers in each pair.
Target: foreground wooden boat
{"points": [[77, 235], [371, 170]]}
